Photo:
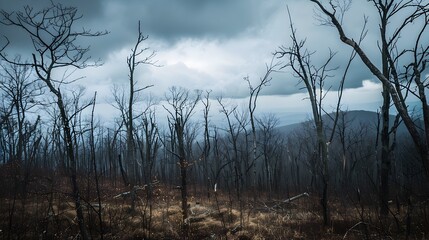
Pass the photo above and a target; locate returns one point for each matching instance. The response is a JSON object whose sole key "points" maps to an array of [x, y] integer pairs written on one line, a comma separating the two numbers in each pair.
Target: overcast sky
{"points": [[212, 45]]}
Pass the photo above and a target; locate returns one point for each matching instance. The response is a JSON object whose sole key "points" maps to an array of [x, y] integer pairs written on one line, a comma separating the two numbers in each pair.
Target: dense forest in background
{"points": [[64, 173]]}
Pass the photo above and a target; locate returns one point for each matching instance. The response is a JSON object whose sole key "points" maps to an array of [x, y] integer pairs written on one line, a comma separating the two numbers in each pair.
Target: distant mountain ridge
{"points": [[353, 119]]}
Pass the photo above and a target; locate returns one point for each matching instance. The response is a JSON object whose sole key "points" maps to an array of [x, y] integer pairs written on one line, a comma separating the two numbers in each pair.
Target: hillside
{"points": [[352, 119]]}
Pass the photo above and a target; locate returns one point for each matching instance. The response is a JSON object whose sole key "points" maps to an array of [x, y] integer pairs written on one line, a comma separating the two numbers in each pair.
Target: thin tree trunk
{"points": [[385, 155], [385, 142], [72, 166], [123, 173], [94, 162], [183, 175]]}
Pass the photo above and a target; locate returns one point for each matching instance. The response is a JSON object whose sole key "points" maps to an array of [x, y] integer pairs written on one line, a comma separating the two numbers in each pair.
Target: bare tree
{"points": [[152, 146], [207, 145], [253, 97], [234, 129], [126, 103], [55, 43], [21, 94], [404, 61], [136, 58], [314, 78], [19, 135], [94, 163], [181, 105], [5, 110], [271, 143]]}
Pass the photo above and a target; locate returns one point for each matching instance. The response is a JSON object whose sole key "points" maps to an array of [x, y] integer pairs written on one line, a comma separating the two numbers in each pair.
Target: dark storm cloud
{"points": [[84, 6], [172, 19], [211, 45], [236, 36], [20, 42], [167, 20]]}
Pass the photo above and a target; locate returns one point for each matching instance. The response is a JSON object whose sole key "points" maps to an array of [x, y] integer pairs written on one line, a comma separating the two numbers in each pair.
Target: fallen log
{"points": [[305, 194], [134, 190], [289, 200]]}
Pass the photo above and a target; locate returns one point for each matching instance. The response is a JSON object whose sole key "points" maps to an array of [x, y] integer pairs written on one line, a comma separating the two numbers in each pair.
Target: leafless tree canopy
{"points": [[195, 165]]}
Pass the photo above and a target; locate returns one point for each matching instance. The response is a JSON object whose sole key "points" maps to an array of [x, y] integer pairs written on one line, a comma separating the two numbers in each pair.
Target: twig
{"points": [[357, 224]]}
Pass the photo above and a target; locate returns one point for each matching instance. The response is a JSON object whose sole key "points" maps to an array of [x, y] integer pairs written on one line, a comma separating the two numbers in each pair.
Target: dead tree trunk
{"points": [[52, 33], [314, 78], [411, 59], [180, 109]]}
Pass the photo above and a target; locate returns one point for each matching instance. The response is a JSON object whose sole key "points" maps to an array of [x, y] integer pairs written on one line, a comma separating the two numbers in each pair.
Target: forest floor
{"points": [[47, 212]]}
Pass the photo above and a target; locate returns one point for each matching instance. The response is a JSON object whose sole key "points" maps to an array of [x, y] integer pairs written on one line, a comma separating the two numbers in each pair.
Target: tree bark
{"points": [[72, 165], [183, 176]]}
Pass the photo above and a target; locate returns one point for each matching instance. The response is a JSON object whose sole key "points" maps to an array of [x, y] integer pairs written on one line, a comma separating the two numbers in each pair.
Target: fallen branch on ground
{"points": [[135, 188], [305, 194]]}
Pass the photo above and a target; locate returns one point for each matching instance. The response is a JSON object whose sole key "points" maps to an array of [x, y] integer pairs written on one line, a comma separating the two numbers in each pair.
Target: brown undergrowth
{"points": [[46, 211]]}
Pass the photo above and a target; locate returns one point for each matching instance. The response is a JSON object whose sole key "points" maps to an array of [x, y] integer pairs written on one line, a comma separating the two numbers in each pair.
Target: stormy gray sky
{"points": [[212, 45]]}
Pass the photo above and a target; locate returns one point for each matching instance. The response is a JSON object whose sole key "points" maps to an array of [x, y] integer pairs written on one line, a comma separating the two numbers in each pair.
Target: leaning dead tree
{"points": [[55, 43], [405, 58]]}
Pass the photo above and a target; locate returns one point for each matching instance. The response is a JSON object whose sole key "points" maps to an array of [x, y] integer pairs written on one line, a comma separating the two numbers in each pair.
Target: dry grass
{"points": [[38, 217]]}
